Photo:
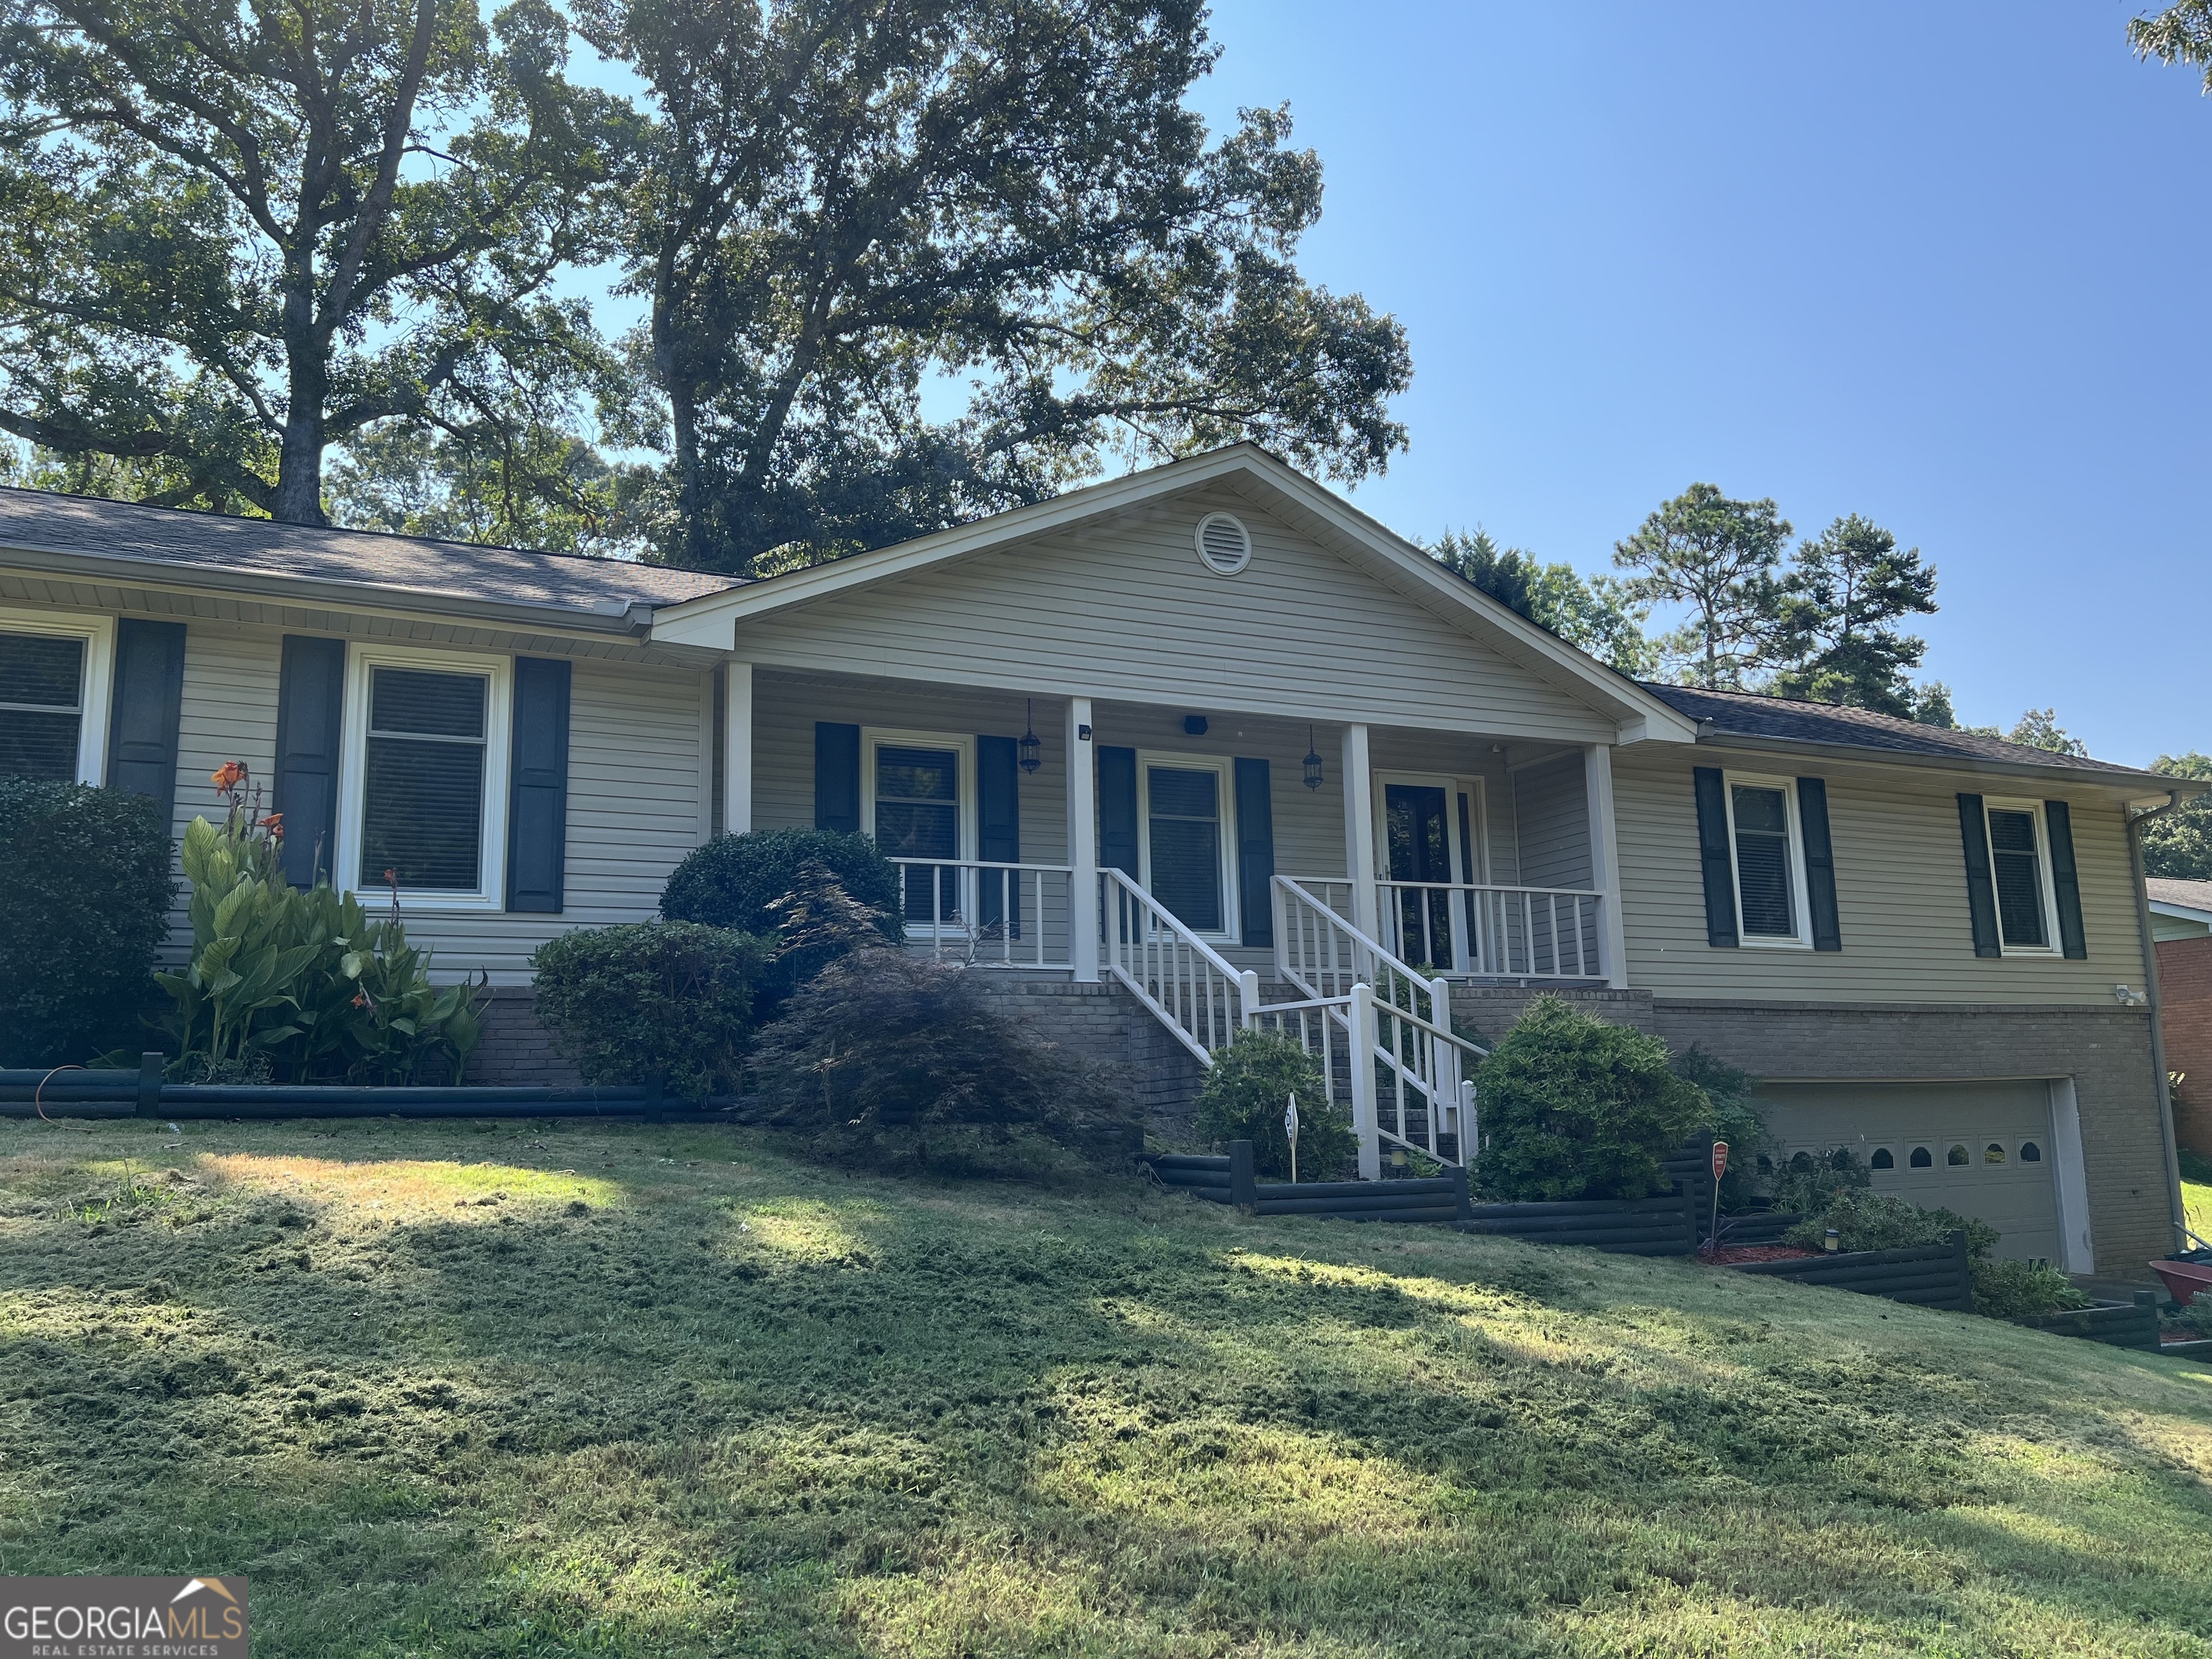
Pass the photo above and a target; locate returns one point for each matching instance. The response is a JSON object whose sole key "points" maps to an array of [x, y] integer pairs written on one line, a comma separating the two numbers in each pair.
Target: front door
{"points": [[1417, 822]]}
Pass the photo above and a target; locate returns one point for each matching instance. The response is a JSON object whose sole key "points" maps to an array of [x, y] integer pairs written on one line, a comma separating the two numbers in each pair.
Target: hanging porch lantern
{"points": [[1312, 761], [1029, 752]]}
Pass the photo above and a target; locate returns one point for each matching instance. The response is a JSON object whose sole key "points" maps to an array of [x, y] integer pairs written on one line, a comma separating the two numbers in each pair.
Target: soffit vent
{"points": [[1225, 546]]}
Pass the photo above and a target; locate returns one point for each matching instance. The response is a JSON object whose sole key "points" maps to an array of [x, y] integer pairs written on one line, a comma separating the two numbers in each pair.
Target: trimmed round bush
{"points": [[84, 903], [1243, 1097], [671, 997], [1571, 1107], [735, 881]]}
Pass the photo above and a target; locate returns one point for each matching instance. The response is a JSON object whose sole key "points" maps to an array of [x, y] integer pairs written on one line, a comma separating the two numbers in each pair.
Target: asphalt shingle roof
{"points": [[35, 518], [1740, 714], [2189, 894]]}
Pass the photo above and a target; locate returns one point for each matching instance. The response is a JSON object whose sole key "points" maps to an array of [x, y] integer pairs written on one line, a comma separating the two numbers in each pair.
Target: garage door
{"points": [[1982, 1149]]}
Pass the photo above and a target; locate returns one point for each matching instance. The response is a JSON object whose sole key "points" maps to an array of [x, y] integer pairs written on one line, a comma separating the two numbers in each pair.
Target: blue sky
{"points": [[1934, 263]]}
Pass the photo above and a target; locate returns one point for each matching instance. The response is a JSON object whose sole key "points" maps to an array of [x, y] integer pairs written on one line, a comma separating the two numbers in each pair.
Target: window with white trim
{"points": [[1767, 847], [1185, 809], [54, 676], [2020, 871], [919, 795], [425, 775]]}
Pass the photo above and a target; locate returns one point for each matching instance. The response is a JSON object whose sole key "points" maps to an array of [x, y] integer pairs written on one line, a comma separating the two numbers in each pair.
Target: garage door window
{"points": [[2030, 1153], [1883, 1158], [1922, 1158]]}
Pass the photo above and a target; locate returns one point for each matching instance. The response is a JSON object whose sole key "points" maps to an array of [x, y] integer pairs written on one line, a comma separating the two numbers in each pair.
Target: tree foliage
{"points": [[2178, 844], [236, 236], [1837, 612], [1718, 556], [2182, 34], [913, 261], [1595, 613]]}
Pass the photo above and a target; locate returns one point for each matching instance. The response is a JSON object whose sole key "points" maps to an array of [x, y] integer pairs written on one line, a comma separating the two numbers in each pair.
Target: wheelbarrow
{"points": [[2184, 1277]]}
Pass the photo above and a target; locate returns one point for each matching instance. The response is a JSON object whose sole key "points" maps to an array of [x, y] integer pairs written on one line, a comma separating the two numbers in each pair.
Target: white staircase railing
{"points": [[1409, 1083], [1197, 994]]}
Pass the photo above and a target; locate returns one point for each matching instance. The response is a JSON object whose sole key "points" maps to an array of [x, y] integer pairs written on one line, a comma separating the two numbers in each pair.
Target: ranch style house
{"points": [[1197, 747]]}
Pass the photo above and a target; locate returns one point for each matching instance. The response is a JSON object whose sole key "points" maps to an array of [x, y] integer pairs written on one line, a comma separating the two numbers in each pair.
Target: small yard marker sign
{"points": [[1290, 1129], [1720, 1168]]}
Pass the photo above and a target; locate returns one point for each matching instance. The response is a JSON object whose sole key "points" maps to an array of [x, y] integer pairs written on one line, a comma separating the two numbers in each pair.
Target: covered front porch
{"points": [[1467, 855]]}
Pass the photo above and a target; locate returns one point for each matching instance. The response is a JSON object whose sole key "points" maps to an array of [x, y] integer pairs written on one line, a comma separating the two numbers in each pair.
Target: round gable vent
{"points": [[1225, 546]]}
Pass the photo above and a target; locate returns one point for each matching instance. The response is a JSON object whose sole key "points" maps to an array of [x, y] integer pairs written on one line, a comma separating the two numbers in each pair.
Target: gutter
{"points": [[628, 618], [2178, 1213]]}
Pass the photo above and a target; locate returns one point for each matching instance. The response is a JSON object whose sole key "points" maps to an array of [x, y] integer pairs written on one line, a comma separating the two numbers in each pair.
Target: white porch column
{"points": [[737, 748], [1605, 863], [1359, 829], [1082, 842]]}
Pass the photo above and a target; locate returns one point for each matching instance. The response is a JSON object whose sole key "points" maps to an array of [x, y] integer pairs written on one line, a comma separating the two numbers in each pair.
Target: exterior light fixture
{"points": [[1312, 761], [1028, 751]]}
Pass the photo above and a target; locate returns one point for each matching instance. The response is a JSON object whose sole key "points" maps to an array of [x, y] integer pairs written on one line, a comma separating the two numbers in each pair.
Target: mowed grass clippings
{"points": [[444, 1389]]}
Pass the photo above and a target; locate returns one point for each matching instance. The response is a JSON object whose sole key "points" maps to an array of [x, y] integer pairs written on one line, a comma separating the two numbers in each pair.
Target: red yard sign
{"points": [[1720, 1159]]}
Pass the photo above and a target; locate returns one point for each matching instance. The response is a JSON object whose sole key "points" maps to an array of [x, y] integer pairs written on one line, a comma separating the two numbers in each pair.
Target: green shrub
{"points": [[1571, 1107], [1807, 1185], [1732, 1115], [1867, 1220], [2021, 1290], [883, 1043], [747, 882], [1243, 1097], [307, 983], [84, 901], [672, 997]]}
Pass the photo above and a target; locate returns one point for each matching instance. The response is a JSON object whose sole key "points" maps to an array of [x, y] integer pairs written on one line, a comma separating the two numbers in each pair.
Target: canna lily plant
{"points": [[306, 982]]}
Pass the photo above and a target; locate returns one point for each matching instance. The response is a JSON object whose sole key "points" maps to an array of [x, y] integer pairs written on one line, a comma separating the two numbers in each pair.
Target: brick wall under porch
{"points": [[1101, 1024]]}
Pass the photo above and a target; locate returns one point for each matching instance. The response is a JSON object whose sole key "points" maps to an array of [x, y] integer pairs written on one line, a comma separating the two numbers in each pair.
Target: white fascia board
{"points": [[713, 621], [2180, 912]]}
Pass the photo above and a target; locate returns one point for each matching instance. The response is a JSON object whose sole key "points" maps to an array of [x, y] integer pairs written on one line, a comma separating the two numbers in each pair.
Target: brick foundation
{"points": [[2185, 994]]}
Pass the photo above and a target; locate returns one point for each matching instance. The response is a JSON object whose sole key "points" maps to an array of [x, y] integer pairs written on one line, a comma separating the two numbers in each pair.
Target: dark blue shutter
{"points": [[310, 725], [149, 706], [1117, 810], [1255, 851], [2064, 882], [537, 796], [998, 832], [1820, 863], [1714, 858], [837, 777], [1981, 891]]}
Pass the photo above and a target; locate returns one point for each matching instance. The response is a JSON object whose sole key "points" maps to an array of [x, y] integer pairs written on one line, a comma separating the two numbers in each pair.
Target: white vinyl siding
{"points": [[1122, 610], [1900, 894]]}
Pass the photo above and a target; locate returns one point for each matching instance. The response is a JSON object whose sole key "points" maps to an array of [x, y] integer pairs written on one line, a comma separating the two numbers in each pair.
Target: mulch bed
{"points": [[1729, 1255]]}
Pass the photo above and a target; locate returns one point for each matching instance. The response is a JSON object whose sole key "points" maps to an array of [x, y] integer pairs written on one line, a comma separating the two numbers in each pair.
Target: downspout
{"points": [[2177, 1213]]}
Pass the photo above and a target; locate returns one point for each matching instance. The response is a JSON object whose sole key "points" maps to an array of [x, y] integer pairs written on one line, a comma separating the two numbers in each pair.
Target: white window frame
{"points": [[95, 694], [490, 893], [1224, 767], [2052, 945], [874, 737], [1801, 905]]}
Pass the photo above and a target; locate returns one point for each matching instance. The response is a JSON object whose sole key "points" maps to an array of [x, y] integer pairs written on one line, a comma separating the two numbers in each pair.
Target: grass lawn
{"points": [[459, 1390]]}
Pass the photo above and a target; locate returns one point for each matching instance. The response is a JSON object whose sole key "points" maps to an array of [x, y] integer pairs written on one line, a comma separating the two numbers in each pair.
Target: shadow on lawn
{"points": [[831, 1418]]}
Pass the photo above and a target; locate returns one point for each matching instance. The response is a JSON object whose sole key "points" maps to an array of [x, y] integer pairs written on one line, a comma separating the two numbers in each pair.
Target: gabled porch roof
{"points": [[716, 620]]}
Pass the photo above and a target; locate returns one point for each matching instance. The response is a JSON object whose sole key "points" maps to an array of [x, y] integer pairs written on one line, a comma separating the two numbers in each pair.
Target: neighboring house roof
{"points": [[2189, 899], [66, 531], [1303, 506], [1742, 714]]}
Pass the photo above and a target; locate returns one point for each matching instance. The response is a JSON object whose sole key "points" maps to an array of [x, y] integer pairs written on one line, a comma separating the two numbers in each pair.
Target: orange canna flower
{"points": [[274, 823], [229, 775]]}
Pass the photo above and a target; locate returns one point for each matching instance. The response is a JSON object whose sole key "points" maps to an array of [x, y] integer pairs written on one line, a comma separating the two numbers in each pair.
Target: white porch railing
{"points": [[1194, 991], [1464, 929], [1407, 1074], [993, 915]]}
